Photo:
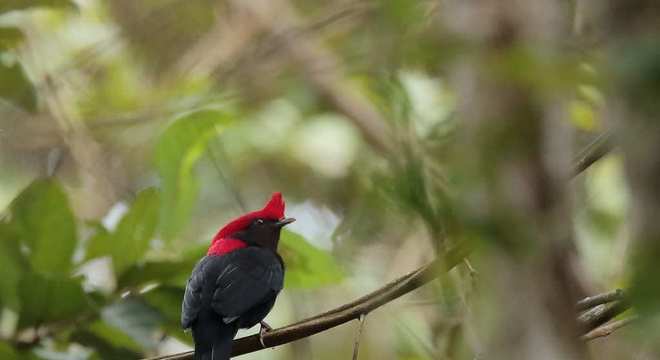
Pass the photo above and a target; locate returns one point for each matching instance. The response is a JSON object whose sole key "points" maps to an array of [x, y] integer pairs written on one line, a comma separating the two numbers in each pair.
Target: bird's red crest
{"points": [[273, 210]]}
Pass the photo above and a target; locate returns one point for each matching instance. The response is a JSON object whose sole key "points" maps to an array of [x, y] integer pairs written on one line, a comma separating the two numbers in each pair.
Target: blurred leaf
{"points": [[167, 300], [155, 271], [47, 299], [134, 318], [107, 341], [10, 270], [306, 265], [130, 241], [178, 149], [7, 352], [113, 336], [164, 271], [10, 37], [582, 116], [16, 88], [43, 220], [8, 5]]}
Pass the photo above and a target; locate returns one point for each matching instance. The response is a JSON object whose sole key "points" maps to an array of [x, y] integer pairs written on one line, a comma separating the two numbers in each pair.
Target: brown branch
{"points": [[600, 314], [591, 301], [608, 329], [592, 153]]}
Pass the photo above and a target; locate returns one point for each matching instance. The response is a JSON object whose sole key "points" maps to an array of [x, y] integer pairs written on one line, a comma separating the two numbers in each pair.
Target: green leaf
{"points": [[16, 88], [177, 151], [8, 5], [164, 271], [136, 319], [10, 268], [167, 300], [10, 37], [7, 352], [154, 271], [130, 241], [306, 265], [107, 341], [46, 299], [43, 221], [113, 336]]}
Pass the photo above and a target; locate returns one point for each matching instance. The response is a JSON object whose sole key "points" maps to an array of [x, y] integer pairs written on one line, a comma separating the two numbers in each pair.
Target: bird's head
{"points": [[257, 228]]}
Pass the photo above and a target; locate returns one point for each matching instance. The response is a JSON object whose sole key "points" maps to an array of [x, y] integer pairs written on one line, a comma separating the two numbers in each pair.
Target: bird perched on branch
{"points": [[235, 285]]}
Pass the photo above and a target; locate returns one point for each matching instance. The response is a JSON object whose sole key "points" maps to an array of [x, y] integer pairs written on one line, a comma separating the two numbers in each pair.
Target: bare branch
{"points": [[608, 328], [591, 301], [601, 314], [592, 153]]}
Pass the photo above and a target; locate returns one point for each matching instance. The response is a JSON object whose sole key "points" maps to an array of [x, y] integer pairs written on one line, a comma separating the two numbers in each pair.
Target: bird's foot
{"points": [[262, 331]]}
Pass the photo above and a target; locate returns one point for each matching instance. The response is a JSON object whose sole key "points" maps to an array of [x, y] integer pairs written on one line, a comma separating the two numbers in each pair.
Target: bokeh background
{"points": [[131, 131]]}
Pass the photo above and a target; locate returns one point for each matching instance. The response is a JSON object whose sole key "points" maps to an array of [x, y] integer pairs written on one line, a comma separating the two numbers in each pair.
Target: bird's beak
{"points": [[285, 221]]}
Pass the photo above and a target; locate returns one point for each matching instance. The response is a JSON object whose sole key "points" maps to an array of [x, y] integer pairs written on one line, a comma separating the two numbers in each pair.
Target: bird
{"points": [[236, 283]]}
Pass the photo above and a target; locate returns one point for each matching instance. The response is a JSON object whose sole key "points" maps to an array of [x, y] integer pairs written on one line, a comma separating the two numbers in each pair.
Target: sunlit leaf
{"points": [[306, 265], [16, 88], [130, 241], [582, 116], [44, 223], [177, 151], [46, 299]]}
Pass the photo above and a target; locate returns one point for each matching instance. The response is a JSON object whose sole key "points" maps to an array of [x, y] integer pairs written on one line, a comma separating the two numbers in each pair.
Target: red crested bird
{"points": [[235, 285]]}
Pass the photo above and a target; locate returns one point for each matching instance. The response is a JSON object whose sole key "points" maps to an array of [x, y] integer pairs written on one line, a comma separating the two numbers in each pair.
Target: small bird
{"points": [[235, 285]]}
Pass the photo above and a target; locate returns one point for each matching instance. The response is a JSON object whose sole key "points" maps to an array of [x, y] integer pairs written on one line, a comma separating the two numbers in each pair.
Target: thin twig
{"points": [[358, 336], [591, 301], [593, 152], [600, 314], [608, 328]]}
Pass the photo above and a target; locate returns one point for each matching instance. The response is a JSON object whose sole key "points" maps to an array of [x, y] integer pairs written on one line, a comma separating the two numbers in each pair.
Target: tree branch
{"points": [[600, 314], [593, 152], [591, 301], [608, 329]]}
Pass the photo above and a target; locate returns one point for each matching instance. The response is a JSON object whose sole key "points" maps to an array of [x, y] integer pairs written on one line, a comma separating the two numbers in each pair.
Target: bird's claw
{"points": [[262, 331]]}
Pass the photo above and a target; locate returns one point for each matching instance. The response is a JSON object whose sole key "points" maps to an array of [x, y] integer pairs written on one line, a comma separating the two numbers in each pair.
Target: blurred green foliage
{"points": [[131, 131]]}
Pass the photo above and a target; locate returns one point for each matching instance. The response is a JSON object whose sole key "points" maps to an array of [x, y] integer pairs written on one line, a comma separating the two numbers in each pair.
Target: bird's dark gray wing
{"points": [[192, 298], [252, 277]]}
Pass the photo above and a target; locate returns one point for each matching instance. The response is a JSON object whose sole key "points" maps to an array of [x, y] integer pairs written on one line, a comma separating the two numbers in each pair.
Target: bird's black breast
{"points": [[242, 284]]}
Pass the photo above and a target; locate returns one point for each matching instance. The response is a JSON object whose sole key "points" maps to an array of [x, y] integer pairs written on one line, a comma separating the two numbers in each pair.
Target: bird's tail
{"points": [[218, 345]]}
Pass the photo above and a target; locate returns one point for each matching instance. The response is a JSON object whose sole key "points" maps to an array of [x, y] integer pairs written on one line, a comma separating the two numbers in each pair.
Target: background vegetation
{"points": [[130, 131]]}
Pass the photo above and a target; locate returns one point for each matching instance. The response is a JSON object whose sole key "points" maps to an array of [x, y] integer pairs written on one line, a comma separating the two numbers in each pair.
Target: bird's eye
{"points": [[259, 222]]}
